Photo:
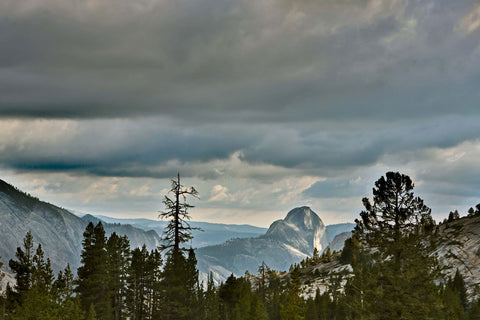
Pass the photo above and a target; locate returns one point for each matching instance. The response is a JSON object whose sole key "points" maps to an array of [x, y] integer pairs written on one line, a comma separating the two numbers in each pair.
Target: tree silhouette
{"points": [[178, 230]]}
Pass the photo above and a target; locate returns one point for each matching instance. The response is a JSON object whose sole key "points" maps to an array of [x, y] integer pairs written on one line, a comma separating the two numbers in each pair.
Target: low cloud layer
{"points": [[263, 105]]}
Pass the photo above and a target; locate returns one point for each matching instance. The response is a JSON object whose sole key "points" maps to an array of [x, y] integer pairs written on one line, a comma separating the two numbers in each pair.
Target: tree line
{"points": [[394, 273]]}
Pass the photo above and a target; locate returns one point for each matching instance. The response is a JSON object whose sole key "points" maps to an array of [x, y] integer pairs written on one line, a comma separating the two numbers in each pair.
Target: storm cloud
{"points": [[241, 97]]}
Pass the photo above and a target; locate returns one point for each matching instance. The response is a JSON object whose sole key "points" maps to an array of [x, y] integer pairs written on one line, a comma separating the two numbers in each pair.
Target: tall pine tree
{"points": [[118, 249], [93, 277], [179, 274], [396, 279]]}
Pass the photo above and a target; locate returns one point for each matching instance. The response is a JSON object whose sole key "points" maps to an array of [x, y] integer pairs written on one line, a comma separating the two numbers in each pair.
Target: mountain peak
{"points": [[304, 218], [302, 228]]}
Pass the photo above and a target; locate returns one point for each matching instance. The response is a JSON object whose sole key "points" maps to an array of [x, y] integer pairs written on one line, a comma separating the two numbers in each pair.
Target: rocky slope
{"points": [[458, 247], [286, 242], [59, 231]]}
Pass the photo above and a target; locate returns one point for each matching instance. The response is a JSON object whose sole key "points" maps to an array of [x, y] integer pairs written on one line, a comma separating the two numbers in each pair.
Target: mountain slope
{"points": [[458, 248], [59, 231], [302, 229], [286, 242], [136, 236]]}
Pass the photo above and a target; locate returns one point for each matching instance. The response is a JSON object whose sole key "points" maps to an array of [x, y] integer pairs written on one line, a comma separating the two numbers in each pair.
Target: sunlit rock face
{"points": [[458, 248], [302, 229], [286, 242]]}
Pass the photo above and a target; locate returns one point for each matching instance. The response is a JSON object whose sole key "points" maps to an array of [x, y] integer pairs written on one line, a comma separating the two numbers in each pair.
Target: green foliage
{"points": [[93, 277], [474, 212], [118, 249], [68, 304], [293, 306], [394, 279], [475, 311], [92, 314], [23, 266], [393, 275], [350, 250], [137, 284], [211, 301], [180, 278], [239, 302], [453, 215]]}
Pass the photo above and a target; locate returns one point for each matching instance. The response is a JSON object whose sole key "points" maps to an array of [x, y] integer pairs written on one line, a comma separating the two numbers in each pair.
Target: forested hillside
{"points": [[398, 264], [58, 230]]}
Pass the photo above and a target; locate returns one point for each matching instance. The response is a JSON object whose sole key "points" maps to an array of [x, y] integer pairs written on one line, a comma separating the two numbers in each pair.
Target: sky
{"points": [[262, 105]]}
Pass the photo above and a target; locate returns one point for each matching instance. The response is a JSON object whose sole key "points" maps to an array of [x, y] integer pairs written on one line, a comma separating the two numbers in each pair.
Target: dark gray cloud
{"points": [[230, 91], [337, 188], [233, 60]]}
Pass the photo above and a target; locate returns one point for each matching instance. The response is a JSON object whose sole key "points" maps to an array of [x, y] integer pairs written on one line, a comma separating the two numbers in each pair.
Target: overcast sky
{"points": [[261, 105]]}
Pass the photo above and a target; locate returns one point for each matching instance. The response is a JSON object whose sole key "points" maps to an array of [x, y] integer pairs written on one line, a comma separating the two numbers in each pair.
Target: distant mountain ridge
{"points": [[287, 241], [213, 233], [61, 233]]}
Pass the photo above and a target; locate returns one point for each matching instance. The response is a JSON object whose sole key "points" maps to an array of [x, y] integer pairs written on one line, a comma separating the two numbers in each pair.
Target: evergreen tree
{"points": [[453, 215], [474, 212], [239, 301], [211, 310], [293, 306], [262, 272], [398, 280], [192, 285], [179, 273], [458, 284], [273, 295], [92, 314], [178, 230], [93, 277], [475, 311], [22, 267], [137, 283], [153, 284], [38, 302], [350, 250], [176, 292], [68, 304], [118, 249]]}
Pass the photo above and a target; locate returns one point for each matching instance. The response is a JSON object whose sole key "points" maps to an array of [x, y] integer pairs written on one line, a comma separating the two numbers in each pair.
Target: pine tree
{"points": [[23, 267], [211, 310], [274, 295], [178, 273], [293, 306], [192, 285], [475, 311], [395, 277], [68, 304], [38, 302], [262, 272], [153, 284], [178, 230], [118, 249], [92, 314], [93, 278], [137, 283]]}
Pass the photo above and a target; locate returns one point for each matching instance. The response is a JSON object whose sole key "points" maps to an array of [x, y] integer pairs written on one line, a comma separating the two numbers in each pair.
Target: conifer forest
{"points": [[393, 273]]}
